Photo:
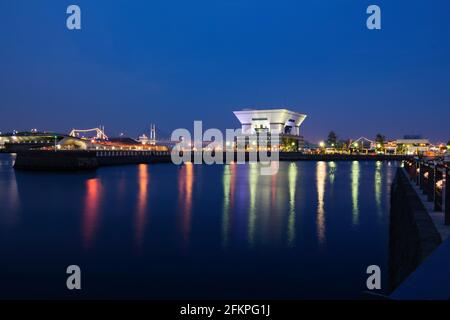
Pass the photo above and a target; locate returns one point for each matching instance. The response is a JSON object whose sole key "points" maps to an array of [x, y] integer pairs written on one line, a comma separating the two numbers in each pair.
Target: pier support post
{"points": [[416, 172], [411, 167], [407, 168], [423, 169], [439, 196], [431, 182], [418, 169], [446, 194], [424, 173]]}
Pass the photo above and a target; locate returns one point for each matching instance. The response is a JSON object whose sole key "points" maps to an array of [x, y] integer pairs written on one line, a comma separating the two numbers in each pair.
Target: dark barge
{"points": [[84, 159]]}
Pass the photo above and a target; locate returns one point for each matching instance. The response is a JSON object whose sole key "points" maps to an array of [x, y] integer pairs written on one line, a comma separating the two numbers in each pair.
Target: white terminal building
{"points": [[285, 123]]}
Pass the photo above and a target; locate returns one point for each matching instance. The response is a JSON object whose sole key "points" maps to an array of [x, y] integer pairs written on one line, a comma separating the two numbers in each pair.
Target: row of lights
{"points": [[355, 144]]}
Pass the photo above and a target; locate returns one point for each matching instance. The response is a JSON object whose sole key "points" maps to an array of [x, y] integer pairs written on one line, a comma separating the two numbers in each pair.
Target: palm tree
{"points": [[380, 140], [332, 139]]}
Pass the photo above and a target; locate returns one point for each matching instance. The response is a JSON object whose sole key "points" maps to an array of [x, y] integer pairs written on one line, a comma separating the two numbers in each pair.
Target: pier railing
{"points": [[433, 178]]}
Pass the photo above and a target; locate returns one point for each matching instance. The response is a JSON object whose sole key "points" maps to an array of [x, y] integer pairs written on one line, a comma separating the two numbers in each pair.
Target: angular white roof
{"points": [[281, 116]]}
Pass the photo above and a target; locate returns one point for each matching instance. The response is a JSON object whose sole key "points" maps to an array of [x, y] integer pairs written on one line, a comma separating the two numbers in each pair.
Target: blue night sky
{"points": [[174, 61]]}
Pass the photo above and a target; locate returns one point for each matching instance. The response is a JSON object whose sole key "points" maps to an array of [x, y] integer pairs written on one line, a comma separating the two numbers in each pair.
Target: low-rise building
{"points": [[412, 145]]}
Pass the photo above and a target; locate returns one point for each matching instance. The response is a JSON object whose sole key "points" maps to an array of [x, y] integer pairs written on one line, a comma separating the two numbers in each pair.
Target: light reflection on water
{"points": [[332, 171], [229, 176], [142, 203], [195, 226], [355, 191], [321, 175], [185, 190], [292, 187], [253, 188], [9, 194], [92, 211], [378, 184]]}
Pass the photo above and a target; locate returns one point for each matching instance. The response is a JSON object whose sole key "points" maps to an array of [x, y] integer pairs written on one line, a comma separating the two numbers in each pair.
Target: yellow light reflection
{"points": [[321, 175], [355, 190], [292, 178], [9, 201], [228, 200], [332, 171], [141, 212], [253, 185], [185, 187], [378, 183], [91, 211]]}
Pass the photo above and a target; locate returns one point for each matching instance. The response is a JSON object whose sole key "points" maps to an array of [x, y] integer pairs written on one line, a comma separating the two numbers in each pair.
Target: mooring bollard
{"points": [[411, 170], [418, 168], [416, 172], [422, 171], [426, 172], [438, 188]]}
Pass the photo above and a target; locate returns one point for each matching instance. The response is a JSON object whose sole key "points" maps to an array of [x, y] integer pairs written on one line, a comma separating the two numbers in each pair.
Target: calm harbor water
{"points": [[196, 231]]}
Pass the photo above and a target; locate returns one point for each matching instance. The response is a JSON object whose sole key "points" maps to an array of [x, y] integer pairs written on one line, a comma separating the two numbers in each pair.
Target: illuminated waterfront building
{"points": [[282, 122], [19, 141], [413, 145]]}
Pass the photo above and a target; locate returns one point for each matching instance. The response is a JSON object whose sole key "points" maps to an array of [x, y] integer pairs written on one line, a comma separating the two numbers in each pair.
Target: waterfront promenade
{"points": [[429, 184]]}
